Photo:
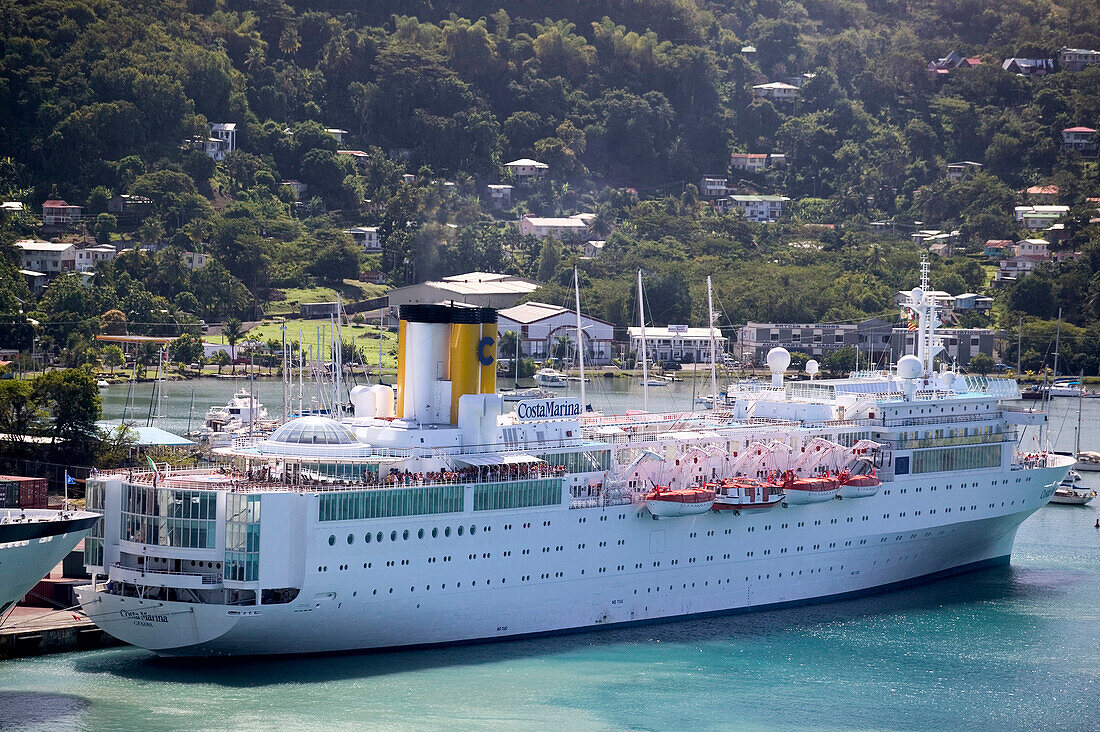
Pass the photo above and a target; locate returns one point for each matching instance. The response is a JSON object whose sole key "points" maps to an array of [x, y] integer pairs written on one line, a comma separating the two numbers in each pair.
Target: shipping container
{"points": [[9, 494], [32, 492]]}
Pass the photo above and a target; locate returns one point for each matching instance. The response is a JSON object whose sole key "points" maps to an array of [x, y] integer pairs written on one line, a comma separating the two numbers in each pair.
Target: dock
{"points": [[33, 631]]}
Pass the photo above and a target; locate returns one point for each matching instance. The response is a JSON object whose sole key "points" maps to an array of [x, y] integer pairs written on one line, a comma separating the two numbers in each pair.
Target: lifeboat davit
{"points": [[748, 495], [668, 503], [811, 490], [859, 486]]}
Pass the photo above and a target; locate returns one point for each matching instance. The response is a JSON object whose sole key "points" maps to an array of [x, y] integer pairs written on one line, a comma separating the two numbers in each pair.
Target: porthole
{"points": [[378, 537], [393, 535], [435, 532], [332, 539], [405, 534], [351, 539], [420, 534], [473, 530], [460, 530], [366, 539], [447, 531]]}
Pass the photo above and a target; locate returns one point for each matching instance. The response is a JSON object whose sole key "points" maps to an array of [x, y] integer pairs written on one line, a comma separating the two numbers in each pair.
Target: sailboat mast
{"points": [[713, 348], [580, 337], [645, 359]]}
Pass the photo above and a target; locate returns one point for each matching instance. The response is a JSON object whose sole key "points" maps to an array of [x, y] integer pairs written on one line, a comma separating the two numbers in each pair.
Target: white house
{"points": [[561, 228], [1013, 268], [760, 208], [227, 132], [958, 171], [713, 186], [594, 248], [677, 343], [47, 257], [297, 186], [337, 133], [527, 168], [366, 237], [749, 161], [1037, 248], [1077, 59], [195, 260], [541, 325], [1082, 139], [775, 90], [59, 213], [87, 259], [1039, 217]]}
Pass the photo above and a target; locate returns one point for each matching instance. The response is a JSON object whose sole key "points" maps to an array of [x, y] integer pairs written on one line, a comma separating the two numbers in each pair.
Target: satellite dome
{"points": [[812, 367], [948, 378], [917, 294], [909, 367], [778, 360]]}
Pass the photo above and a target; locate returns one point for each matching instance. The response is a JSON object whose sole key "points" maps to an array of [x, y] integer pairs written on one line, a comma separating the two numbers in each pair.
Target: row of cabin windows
{"points": [[420, 501]]}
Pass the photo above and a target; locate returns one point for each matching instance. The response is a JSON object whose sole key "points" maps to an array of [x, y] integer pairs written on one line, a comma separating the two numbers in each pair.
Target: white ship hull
{"points": [[555, 577], [25, 561]]}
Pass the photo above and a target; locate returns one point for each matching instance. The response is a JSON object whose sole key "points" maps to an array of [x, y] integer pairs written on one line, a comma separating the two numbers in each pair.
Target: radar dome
{"points": [[812, 367], [778, 360], [917, 294], [909, 367], [948, 378]]}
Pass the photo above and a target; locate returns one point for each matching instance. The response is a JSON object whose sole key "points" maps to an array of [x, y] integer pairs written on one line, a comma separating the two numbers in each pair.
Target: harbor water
{"points": [[1007, 648]]}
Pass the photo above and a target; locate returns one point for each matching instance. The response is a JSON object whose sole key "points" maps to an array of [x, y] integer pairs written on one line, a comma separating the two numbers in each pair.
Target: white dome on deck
{"points": [[313, 431]]}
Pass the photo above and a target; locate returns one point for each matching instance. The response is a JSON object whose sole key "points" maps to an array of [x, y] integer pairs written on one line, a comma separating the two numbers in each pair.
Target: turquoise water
{"points": [[1008, 648]]}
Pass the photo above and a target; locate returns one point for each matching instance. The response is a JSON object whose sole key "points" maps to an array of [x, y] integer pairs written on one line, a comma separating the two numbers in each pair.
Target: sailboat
{"points": [[1069, 492]]}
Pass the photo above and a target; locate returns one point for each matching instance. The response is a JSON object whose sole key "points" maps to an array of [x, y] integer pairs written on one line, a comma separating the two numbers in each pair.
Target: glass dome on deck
{"points": [[313, 431]]}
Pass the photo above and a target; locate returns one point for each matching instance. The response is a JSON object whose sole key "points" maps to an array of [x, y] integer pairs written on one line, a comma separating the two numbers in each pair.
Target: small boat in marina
{"points": [[668, 503], [518, 395], [1070, 493], [1088, 461], [551, 378]]}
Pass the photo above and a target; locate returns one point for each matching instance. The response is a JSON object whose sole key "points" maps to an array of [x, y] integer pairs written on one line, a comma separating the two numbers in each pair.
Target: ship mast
{"points": [[713, 349], [580, 338], [645, 365]]}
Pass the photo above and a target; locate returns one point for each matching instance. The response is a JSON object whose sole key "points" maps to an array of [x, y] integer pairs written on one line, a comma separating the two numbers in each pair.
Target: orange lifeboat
{"points": [[668, 503], [859, 486], [747, 494], [811, 490]]}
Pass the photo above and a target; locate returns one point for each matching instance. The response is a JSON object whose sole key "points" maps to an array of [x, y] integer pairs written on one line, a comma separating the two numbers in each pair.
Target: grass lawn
{"points": [[365, 337], [350, 291]]}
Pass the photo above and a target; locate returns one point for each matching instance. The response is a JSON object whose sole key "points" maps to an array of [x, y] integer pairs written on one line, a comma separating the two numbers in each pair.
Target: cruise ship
{"points": [[32, 542], [433, 516]]}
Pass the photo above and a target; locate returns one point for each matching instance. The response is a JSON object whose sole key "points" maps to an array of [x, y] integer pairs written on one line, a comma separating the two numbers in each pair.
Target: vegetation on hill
{"points": [[101, 98]]}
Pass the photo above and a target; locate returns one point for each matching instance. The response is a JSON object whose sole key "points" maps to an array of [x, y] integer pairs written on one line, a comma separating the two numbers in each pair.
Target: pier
{"points": [[33, 631]]}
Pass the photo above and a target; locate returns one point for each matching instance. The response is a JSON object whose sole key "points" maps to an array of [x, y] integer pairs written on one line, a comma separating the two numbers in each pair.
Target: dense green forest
{"points": [[99, 98]]}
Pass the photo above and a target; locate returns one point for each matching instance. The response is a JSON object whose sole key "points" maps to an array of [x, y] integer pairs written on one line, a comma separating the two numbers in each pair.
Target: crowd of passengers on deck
{"points": [[397, 476]]}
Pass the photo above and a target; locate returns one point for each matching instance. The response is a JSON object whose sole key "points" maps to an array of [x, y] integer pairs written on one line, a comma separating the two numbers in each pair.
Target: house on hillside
{"points": [[366, 237], [1040, 194], [997, 248], [950, 62], [958, 171], [973, 302], [359, 157], [1028, 66], [1081, 139], [760, 208], [713, 186], [777, 91], [136, 207], [297, 186], [337, 133], [1013, 268], [525, 168], [500, 195], [227, 133], [1038, 217], [566, 228], [46, 257], [89, 257], [752, 162], [59, 213], [1077, 59]]}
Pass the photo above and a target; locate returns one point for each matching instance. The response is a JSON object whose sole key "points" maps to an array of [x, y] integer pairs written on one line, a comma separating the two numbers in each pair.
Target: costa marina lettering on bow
{"points": [[548, 409]]}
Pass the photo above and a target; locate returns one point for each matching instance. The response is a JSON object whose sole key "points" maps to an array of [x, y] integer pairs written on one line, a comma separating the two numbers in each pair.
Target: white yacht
{"points": [[440, 518], [32, 542], [548, 378], [241, 414]]}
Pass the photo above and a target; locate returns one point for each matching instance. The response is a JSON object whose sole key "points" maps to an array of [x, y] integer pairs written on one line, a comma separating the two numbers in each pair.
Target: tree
{"points": [[980, 363], [221, 359], [71, 399], [563, 347], [112, 357], [549, 258], [186, 349], [105, 225], [232, 332]]}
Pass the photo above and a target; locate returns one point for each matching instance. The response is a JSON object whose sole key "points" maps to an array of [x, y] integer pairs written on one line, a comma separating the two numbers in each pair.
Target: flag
{"points": [[69, 479], [912, 325], [156, 473]]}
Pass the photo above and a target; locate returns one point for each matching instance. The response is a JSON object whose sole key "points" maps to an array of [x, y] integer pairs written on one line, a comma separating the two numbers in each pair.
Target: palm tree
{"points": [[875, 257], [232, 333], [563, 345]]}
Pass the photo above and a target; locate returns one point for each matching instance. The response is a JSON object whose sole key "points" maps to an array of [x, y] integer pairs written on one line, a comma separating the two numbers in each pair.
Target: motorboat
{"points": [[518, 395], [551, 378], [1088, 461], [1069, 493], [669, 503]]}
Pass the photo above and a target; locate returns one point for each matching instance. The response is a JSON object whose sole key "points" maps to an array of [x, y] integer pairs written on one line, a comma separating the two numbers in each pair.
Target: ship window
{"points": [[460, 530], [331, 539], [393, 536], [405, 535], [447, 531], [366, 538], [351, 539]]}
